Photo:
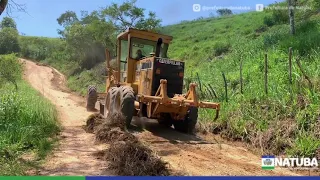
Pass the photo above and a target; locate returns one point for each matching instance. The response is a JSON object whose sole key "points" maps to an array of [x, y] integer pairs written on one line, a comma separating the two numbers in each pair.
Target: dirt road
{"points": [[75, 153], [188, 154]]}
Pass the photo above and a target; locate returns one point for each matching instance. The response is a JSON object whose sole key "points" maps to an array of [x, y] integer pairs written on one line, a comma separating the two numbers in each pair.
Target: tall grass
{"points": [[28, 124], [286, 120]]}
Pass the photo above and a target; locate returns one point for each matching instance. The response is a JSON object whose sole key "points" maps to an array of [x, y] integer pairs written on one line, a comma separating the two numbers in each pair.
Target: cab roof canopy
{"points": [[143, 34]]}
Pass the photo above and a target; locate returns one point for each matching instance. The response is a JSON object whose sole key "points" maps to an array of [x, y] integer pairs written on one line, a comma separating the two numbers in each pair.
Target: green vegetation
{"points": [[286, 120], [10, 70], [80, 52], [27, 121]]}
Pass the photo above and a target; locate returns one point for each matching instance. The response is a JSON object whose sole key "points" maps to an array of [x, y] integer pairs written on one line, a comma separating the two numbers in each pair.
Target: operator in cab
{"points": [[139, 55]]}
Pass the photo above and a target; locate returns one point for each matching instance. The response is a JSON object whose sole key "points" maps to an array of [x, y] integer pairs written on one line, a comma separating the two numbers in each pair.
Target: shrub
{"points": [[280, 16], [10, 69], [268, 20], [221, 48], [9, 41]]}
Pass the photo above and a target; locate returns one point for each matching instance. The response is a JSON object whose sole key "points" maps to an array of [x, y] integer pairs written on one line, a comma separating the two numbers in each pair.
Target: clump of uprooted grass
{"points": [[126, 154], [133, 158], [275, 139]]}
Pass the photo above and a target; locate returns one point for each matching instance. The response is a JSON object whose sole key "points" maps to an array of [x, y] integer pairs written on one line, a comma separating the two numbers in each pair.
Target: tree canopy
{"points": [[88, 34], [129, 15], [224, 12], [8, 22], [8, 36]]}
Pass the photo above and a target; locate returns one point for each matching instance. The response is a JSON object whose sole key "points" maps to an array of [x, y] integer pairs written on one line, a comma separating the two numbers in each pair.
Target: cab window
{"points": [[124, 54], [141, 48], [123, 60]]}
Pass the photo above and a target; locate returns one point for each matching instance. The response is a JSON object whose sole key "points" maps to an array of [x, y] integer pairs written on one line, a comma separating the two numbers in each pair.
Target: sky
{"points": [[41, 16]]}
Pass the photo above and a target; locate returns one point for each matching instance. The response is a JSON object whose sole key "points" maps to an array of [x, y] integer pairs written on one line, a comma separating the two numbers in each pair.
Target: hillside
{"points": [[285, 120]]}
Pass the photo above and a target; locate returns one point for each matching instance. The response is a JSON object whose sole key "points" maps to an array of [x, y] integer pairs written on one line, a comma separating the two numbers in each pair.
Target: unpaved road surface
{"points": [[75, 153], [204, 156], [188, 154]]}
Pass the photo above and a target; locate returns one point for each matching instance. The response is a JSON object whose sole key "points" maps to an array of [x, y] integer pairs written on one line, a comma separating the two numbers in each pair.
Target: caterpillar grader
{"points": [[146, 83]]}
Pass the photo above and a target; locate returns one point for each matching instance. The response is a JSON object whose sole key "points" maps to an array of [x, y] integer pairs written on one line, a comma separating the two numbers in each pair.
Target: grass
{"points": [[286, 120], [28, 124]]}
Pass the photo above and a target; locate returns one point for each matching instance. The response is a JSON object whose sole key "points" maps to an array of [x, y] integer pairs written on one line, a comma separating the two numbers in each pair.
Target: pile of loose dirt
{"points": [[93, 121], [127, 155]]}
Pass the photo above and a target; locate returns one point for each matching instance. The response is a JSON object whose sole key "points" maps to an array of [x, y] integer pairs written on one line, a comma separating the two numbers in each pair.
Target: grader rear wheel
{"points": [[165, 119], [189, 123], [91, 98]]}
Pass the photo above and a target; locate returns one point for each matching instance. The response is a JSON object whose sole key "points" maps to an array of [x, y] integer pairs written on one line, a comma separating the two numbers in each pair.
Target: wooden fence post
{"points": [[266, 73], [225, 86]]}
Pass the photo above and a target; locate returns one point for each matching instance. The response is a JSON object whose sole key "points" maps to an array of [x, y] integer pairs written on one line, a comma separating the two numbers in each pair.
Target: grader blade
{"points": [[178, 104]]}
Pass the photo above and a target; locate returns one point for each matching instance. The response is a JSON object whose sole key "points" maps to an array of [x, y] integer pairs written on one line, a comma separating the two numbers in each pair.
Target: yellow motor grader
{"points": [[147, 83]]}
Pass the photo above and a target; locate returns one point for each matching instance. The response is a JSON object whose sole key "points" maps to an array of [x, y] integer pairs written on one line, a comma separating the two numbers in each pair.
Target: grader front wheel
{"points": [[189, 123], [110, 101], [120, 100], [127, 103]]}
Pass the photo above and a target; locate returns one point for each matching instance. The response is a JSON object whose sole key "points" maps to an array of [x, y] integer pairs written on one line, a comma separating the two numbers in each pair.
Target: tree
{"points": [[9, 41], [8, 22], [68, 18], [8, 36], [10, 69], [87, 37], [224, 12], [129, 15]]}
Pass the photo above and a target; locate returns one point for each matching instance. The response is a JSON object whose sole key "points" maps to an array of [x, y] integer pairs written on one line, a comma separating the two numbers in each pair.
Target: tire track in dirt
{"points": [[75, 154], [197, 157]]}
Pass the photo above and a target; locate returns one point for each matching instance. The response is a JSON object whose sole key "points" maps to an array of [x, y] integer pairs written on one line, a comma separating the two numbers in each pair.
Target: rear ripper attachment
{"points": [[148, 84]]}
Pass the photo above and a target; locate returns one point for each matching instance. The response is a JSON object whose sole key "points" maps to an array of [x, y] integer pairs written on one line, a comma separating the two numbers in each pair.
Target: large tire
{"points": [[111, 101], [127, 103], [165, 119], [189, 123], [92, 97]]}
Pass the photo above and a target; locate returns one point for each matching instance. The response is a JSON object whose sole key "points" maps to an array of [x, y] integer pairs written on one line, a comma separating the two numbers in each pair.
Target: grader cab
{"points": [[146, 83]]}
